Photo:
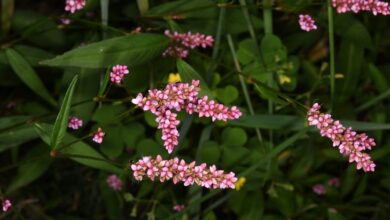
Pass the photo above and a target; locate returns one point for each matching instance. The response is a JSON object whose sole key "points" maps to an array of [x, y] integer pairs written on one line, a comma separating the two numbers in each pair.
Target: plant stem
{"points": [[242, 82], [104, 16], [332, 55]]}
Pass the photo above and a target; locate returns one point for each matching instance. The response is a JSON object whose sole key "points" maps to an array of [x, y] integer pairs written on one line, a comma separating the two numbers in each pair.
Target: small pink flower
{"points": [[180, 171], [65, 21], [117, 73], [334, 182], [74, 5], [319, 189], [307, 23], [75, 123], [137, 30], [114, 182], [98, 136], [349, 142], [6, 205], [178, 207]]}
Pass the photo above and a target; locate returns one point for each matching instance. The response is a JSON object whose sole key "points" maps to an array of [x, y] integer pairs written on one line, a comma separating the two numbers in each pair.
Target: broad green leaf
{"points": [[273, 50], [108, 114], [16, 137], [78, 150], [227, 95], [188, 73], [294, 123], [130, 50], [6, 122], [246, 52], [61, 122], [37, 162], [113, 144], [378, 78], [234, 137], [27, 74], [269, 94]]}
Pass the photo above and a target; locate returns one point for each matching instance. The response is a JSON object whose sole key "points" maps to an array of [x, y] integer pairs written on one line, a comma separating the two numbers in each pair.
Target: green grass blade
{"points": [[61, 122], [27, 74]]}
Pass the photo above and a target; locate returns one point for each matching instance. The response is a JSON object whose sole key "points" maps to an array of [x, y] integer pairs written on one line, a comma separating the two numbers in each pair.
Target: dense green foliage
{"points": [[261, 62]]}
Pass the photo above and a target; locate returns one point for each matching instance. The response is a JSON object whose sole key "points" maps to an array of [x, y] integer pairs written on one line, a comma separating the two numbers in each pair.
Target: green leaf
{"points": [[234, 137], [37, 162], [78, 150], [131, 50], [17, 136], [108, 114], [269, 94], [210, 152], [227, 95], [187, 74], [27, 74], [61, 122], [273, 50], [285, 122]]}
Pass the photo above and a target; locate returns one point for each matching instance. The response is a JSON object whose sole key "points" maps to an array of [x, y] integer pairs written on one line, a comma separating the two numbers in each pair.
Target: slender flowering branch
{"points": [[74, 5], [178, 97], [179, 171], [348, 141], [182, 42], [307, 23], [375, 6]]}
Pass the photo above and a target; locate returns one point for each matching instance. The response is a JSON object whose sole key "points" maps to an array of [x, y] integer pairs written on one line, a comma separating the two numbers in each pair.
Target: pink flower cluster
{"points": [[114, 182], [319, 189], [74, 5], [98, 136], [6, 205], [307, 23], [178, 207], [182, 42], [117, 73], [348, 141], [179, 170], [177, 97], [75, 123], [375, 6]]}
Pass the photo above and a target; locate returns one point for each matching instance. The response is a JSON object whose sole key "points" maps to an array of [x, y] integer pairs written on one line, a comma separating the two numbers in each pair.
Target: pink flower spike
{"points": [[319, 189], [182, 42], [117, 73], [74, 5], [75, 123], [178, 207], [6, 205], [180, 171], [114, 182], [349, 142], [165, 104], [356, 6], [307, 23], [98, 136]]}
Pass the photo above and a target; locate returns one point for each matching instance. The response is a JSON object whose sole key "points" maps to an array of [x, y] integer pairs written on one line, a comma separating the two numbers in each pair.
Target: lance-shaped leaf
{"points": [[27, 74], [62, 118], [131, 50]]}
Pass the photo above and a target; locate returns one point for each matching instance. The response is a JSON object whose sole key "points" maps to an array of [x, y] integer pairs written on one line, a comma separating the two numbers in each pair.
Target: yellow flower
{"points": [[339, 76], [240, 183], [284, 79], [174, 77]]}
